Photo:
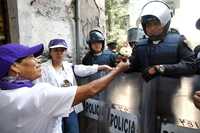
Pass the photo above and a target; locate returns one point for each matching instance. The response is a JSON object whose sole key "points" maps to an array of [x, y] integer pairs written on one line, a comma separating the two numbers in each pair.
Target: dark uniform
{"points": [[105, 57], [163, 53], [172, 52], [177, 59], [196, 91]]}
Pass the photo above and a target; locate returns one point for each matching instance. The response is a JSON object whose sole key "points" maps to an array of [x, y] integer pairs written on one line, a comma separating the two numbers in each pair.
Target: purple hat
{"points": [[9, 53], [58, 43]]}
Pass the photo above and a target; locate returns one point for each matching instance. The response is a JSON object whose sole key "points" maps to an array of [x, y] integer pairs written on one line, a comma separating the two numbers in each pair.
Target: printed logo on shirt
{"points": [[66, 83]]}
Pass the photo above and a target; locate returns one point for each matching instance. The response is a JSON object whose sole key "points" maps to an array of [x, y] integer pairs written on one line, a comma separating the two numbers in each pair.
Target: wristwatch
{"points": [[160, 68]]}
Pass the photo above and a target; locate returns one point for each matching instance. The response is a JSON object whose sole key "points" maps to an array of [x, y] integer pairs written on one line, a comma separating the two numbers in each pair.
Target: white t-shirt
{"points": [[65, 75], [56, 78], [36, 109]]}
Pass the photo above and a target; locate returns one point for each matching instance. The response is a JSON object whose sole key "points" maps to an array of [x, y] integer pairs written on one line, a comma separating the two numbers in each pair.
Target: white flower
{"points": [[125, 51]]}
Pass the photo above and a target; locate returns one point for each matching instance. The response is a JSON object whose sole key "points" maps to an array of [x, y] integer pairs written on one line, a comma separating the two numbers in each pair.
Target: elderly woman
{"points": [[61, 73], [29, 108]]}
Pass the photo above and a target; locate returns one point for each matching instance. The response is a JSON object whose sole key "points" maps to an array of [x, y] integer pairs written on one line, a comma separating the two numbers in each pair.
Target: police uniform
{"points": [[104, 58], [176, 58], [172, 52], [162, 53]]}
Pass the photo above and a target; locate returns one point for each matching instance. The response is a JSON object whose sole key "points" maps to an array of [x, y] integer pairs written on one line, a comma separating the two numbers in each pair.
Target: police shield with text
{"points": [[161, 54]]}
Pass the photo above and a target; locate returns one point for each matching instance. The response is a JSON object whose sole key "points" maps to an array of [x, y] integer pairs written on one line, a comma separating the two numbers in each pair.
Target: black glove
{"points": [[146, 76]]}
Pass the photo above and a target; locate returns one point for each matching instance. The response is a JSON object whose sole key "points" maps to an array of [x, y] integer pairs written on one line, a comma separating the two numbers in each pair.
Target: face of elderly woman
{"points": [[27, 68]]}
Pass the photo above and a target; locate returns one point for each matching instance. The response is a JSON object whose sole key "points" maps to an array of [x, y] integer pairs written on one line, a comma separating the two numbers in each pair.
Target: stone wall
{"points": [[39, 21], [43, 20], [92, 16], [13, 20]]}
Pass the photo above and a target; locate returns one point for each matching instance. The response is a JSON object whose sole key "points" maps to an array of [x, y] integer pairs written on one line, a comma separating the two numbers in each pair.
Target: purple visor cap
{"points": [[58, 43], [9, 53]]}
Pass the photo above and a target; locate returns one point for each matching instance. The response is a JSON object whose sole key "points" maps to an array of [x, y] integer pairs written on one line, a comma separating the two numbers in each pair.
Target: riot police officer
{"points": [[96, 54], [134, 35], [162, 53], [196, 96], [112, 46]]}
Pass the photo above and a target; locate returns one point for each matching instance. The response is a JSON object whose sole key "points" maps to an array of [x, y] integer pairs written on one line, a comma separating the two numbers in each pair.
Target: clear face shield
{"points": [[160, 10]]}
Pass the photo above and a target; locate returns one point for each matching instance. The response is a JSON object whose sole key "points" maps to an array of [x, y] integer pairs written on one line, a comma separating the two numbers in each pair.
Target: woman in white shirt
{"points": [[29, 108], [61, 73]]}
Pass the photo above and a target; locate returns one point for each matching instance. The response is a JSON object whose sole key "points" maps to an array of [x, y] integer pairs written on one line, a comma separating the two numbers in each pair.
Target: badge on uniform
{"points": [[66, 83]]}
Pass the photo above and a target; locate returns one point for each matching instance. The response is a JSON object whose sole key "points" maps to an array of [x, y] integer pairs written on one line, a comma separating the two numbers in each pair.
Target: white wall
{"points": [[185, 19], [43, 20], [92, 16], [40, 21]]}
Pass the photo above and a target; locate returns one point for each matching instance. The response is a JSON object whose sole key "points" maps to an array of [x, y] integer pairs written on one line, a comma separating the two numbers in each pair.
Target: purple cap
{"points": [[9, 53], [58, 43]]}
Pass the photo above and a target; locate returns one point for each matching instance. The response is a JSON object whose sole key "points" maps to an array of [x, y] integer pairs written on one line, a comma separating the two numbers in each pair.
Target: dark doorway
{"points": [[4, 25]]}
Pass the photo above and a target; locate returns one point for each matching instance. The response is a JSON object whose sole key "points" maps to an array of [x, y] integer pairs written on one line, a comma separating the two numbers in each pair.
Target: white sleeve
{"points": [[85, 70], [55, 101]]}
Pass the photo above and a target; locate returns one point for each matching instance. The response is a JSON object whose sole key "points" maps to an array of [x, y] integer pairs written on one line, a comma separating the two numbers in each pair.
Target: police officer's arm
{"points": [[186, 65], [134, 62], [88, 90]]}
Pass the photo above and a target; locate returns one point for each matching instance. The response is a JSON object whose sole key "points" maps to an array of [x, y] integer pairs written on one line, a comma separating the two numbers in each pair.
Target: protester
{"points": [[29, 108]]}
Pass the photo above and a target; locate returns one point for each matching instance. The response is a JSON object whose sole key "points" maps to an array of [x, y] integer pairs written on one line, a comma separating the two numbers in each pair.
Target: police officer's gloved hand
{"points": [[149, 73]]}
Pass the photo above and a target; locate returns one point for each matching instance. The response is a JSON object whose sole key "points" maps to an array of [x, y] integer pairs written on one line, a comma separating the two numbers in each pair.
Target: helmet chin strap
{"points": [[158, 37]]}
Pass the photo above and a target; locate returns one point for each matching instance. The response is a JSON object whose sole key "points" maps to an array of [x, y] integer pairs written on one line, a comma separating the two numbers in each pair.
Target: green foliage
{"points": [[117, 19]]}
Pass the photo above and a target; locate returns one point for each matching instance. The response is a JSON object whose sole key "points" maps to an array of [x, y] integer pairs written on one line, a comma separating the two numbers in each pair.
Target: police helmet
{"points": [[135, 34], [159, 11], [95, 36], [197, 51], [198, 24], [112, 45]]}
